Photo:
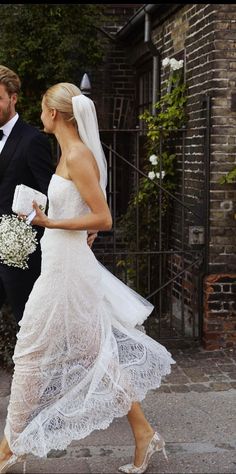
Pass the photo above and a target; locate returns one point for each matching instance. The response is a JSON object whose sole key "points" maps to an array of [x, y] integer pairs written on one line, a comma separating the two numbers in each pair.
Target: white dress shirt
{"points": [[7, 128]]}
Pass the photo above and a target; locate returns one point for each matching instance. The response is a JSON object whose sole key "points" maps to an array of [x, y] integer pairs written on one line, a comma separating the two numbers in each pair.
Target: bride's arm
{"points": [[83, 174]]}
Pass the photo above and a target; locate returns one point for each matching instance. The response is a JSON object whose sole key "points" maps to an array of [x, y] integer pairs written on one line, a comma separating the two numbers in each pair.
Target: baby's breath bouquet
{"points": [[17, 241]]}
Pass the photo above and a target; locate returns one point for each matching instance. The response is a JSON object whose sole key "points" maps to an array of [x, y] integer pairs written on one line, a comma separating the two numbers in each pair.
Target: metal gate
{"points": [[169, 270]]}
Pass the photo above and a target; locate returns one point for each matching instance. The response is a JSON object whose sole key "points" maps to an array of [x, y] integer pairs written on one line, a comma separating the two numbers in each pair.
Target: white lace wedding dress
{"points": [[79, 360]]}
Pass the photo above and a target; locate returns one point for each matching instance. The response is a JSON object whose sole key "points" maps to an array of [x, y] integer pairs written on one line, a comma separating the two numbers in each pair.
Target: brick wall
{"points": [[206, 35], [220, 304], [189, 34], [114, 81], [219, 310], [223, 145]]}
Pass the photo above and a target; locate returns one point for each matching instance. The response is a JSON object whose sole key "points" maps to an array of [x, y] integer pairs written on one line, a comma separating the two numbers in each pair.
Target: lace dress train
{"points": [[79, 360]]}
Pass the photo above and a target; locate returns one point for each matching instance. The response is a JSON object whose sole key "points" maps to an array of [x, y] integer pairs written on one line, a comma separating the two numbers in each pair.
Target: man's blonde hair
{"points": [[10, 80]]}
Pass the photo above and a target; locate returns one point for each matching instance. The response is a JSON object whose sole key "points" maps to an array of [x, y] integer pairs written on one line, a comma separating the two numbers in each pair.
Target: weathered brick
{"points": [[215, 319]]}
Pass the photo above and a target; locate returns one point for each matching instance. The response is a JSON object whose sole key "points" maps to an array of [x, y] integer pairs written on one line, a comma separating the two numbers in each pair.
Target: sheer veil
{"points": [[86, 118]]}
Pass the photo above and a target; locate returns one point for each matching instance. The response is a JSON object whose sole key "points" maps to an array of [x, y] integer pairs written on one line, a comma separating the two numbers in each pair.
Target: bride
{"points": [[79, 360]]}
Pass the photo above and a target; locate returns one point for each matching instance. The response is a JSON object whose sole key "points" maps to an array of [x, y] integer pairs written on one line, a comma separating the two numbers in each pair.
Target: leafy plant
{"points": [[230, 177], [46, 44], [159, 169]]}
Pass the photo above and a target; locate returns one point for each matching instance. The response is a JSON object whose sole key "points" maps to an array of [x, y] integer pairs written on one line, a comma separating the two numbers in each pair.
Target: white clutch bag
{"points": [[23, 197]]}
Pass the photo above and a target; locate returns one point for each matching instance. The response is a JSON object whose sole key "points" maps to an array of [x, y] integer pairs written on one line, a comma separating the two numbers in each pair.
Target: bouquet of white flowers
{"points": [[17, 241]]}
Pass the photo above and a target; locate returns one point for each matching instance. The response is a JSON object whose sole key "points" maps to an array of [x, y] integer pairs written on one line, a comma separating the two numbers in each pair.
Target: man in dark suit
{"points": [[25, 158]]}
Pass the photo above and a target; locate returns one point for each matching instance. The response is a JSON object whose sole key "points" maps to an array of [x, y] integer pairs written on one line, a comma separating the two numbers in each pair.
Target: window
{"points": [[144, 92]]}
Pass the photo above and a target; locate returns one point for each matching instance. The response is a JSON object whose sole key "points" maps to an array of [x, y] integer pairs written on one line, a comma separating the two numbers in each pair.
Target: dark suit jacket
{"points": [[25, 159]]}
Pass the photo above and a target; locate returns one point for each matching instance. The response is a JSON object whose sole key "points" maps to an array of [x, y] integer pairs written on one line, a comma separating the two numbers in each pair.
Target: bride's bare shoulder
{"points": [[78, 152], [79, 158]]}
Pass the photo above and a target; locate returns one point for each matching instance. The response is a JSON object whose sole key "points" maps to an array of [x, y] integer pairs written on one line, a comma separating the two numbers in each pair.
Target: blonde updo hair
{"points": [[59, 97]]}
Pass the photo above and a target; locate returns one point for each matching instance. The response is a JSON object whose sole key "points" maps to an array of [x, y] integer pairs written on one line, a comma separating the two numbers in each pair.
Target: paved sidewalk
{"points": [[194, 409]]}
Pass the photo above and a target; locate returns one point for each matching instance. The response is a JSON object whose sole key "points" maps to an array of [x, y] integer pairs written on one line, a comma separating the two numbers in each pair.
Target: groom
{"points": [[25, 158]]}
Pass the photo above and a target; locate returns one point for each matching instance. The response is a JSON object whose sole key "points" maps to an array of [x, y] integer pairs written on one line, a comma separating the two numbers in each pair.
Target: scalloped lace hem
{"points": [[66, 438]]}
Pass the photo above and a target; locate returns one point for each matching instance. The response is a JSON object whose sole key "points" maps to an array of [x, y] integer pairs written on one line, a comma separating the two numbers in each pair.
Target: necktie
{"points": [[1, 134]]}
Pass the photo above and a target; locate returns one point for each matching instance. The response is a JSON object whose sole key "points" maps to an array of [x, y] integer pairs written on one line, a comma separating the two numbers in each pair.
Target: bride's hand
{"points": [[41, 219]]}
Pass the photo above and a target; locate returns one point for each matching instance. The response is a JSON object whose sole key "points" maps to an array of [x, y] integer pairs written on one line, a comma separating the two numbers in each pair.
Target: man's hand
{"points": [[91, 237]]}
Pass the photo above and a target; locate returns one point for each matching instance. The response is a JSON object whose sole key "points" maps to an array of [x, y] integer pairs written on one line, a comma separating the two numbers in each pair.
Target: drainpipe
{"points": [[156, 65]]}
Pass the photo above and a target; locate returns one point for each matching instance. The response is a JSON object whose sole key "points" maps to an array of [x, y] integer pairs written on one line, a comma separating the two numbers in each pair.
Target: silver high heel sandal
{"points": [[11, 461], [156, 444]]}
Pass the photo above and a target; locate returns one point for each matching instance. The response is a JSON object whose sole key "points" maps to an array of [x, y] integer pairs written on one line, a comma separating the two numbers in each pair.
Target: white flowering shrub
{"points": [[153, 159], [173, 63], [151, 175], [17, 241]]}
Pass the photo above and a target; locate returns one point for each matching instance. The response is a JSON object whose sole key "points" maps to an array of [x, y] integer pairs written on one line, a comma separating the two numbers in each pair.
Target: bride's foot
{"points": [[4, 456], [143, 453], [8, 459], [141, 448]]}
